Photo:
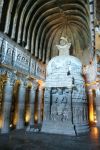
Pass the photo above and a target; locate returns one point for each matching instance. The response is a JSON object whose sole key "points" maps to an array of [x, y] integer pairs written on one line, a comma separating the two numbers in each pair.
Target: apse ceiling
{"points": [[37, 25]]}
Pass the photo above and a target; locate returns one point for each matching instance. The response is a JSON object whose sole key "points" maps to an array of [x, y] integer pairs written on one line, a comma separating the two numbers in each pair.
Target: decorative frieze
{"points": [[13, 56], [32, 66], [22, 61], [3, 50], [9, 50], [40, 70]]}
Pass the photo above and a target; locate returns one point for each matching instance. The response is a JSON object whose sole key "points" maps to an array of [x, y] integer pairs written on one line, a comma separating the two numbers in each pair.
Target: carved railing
{"points": [[16, 58]]}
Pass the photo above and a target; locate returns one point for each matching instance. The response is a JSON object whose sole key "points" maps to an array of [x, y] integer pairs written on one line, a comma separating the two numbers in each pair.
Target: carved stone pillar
{"points": [[91, 108], [70, 104], [21, 105], [40, 97], [47, 95], [46, 116], [32, 100], [98, 107], [8, 93]]}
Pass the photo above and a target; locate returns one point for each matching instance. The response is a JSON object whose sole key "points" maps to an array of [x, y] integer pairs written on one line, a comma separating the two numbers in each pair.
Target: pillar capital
{"points": [[10, 78], [32, 85], [40, 88], [90, 92], [23, 83], [3, 71], [34, 88]]}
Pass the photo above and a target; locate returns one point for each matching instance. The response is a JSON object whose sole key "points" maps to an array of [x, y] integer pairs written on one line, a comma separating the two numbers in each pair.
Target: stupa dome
{"points": [[60, 66]]}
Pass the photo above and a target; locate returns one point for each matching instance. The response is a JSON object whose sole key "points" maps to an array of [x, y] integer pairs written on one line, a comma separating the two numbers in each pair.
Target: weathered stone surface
{"points": [[22, 61], [40, 70]]}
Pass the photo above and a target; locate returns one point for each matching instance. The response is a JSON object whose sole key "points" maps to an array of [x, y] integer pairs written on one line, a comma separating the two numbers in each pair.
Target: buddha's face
{"points": [[62, 42]]}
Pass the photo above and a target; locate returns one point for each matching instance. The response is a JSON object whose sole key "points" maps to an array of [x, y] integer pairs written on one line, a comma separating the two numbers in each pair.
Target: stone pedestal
{"points": [[21, 106], [55, 127], [8, 92], [58, 117]]}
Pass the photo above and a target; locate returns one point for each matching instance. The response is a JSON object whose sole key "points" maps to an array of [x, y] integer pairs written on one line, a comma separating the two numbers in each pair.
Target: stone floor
{"points": [[20, 140]]}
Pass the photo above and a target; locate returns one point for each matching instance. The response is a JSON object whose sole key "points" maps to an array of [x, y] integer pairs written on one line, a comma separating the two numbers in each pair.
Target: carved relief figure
{"points": [[58, 107], [65, 115]]}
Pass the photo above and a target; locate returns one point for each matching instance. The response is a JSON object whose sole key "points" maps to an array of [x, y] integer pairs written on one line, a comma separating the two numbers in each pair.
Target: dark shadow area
{"points": [[20, 140]]}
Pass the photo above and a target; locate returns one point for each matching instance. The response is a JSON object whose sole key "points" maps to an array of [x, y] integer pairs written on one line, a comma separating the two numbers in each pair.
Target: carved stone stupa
{"points": [[65, 104]]}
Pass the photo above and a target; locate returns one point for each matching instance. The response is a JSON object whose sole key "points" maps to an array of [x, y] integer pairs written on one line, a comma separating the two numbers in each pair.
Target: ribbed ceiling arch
{"points": [[38, 24]]}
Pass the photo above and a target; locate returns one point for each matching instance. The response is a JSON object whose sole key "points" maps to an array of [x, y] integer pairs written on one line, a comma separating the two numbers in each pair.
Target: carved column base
{"points": [[6, 120], [31, 123], [58, 128], [81, 129]]}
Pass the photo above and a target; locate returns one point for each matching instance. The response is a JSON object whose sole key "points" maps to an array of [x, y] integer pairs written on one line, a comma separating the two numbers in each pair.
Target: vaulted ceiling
{"points": [[37, 25]]}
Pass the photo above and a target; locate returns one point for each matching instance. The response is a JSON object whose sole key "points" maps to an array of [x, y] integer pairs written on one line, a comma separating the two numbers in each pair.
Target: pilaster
{"points": [[21, 104], [47, 95], [40, 97], [8, 93]]}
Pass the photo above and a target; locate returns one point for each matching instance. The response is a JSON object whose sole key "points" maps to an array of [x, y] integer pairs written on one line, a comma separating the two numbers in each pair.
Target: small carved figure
{"points": [[65, 115], [54, 112]]}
